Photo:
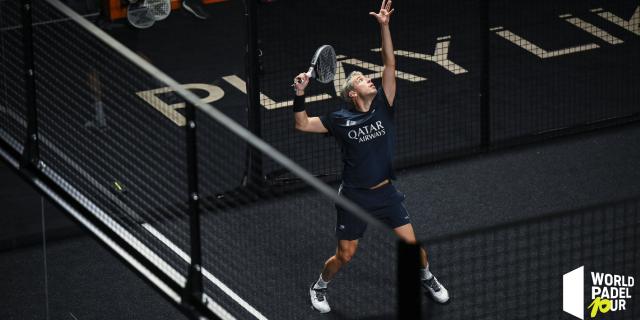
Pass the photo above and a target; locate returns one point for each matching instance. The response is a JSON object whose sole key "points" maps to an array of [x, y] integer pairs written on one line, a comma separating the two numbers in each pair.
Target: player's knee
{"points": [[345, 254], [344, 257]]}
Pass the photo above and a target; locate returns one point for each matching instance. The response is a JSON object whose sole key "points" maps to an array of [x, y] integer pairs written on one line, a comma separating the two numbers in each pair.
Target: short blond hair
{"points": [[347, 86]]}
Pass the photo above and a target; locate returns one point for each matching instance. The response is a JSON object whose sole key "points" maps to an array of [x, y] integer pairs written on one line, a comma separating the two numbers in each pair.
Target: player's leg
{"points": [[344, 252], [407, 234], [349, 229], [318, 291], [398, 216]]}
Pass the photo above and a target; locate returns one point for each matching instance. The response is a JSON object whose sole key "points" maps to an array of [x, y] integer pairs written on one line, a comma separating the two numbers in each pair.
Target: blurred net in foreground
{"points": [[12, 75], [100, 138], [113, 138], [515, 271]]}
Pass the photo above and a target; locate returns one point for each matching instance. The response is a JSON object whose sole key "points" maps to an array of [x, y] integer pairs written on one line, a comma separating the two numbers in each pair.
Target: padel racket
{"points": [[139, 14], [143, 14], [323, 65]]}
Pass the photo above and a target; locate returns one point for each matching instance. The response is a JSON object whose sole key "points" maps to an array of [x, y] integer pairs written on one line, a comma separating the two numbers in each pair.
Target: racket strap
{"points": [[298, 103]]}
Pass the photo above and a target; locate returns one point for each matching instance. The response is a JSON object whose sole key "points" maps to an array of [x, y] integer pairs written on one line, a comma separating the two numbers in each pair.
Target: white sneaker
{"points": [[436, 289], [319, 299]]}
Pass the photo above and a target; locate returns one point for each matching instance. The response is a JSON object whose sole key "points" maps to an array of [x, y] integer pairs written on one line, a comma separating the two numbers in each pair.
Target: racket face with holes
{"points": [[139, 15], [160, 9], [324, 64]]}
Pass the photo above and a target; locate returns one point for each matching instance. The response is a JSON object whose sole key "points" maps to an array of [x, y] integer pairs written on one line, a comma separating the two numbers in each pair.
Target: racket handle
{"points": [[308, 73]]}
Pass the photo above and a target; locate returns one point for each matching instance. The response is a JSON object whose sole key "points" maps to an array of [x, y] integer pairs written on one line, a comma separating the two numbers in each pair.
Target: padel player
{"points": [[365, 131]]}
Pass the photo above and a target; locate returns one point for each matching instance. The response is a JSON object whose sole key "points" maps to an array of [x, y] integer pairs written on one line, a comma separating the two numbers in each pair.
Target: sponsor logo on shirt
{"points": [[367, 132]]}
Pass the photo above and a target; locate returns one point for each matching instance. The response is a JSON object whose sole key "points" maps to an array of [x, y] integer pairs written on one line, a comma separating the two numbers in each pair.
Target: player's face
{"points": [[363, 86]]}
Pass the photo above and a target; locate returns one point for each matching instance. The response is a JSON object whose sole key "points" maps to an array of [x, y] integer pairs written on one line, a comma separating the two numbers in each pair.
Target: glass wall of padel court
{"points": [[190, 198]]}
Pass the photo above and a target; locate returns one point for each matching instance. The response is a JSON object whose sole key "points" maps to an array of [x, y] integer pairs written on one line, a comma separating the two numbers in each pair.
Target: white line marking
{"points": [[205, 273], [106, 220], [265, 101], [542, 53], [594, 30]]}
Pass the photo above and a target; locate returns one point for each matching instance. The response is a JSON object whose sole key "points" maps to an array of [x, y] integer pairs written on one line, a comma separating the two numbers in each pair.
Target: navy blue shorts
{"points": [[384, 203]]}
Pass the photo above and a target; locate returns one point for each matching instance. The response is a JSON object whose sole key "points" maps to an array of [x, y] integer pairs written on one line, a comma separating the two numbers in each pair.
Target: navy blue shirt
{"points": [[367, 141]]}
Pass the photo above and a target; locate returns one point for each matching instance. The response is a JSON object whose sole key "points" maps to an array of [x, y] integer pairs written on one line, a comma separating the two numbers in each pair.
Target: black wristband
{"points": [[298, 104]]}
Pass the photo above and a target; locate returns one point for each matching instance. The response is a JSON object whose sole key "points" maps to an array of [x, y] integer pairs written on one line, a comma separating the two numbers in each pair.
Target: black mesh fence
{"points": [[12, 75], [438, 55], [101, 138], [549, 66], [561, 64], [515, 270]]}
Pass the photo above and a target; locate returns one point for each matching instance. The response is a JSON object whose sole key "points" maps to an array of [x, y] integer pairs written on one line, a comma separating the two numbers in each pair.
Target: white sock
{"points": [[425, 274], [320, 284]]}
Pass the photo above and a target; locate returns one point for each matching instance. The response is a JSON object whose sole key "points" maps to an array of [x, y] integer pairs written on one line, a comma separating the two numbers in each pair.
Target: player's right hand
{"points": [[300, 82]]}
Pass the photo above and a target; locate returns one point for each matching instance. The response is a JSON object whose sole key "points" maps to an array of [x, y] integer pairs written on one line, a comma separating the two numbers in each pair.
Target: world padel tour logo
{"points": [[608, 293]]}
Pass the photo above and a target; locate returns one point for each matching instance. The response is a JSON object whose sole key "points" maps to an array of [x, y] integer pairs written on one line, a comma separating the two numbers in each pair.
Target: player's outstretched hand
{"points": [[384, 14]]}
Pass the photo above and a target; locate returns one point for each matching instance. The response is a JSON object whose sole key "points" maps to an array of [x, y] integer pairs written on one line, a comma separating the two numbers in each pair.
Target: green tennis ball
{"points": [[118, 186]]}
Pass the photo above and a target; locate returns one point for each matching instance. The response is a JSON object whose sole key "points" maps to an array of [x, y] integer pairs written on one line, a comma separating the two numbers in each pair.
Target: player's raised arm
{"points": [[304, 123], [388, 58]]}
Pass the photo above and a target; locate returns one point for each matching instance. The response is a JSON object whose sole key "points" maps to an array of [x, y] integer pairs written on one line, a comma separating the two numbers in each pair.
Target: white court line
{"points": [[125, 235], [205, 272], [118, 229], [149, 254], [210, 302]]}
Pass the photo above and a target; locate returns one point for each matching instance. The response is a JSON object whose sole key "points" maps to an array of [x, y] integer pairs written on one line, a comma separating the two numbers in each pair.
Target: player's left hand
{"points": [[384, 14]]}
